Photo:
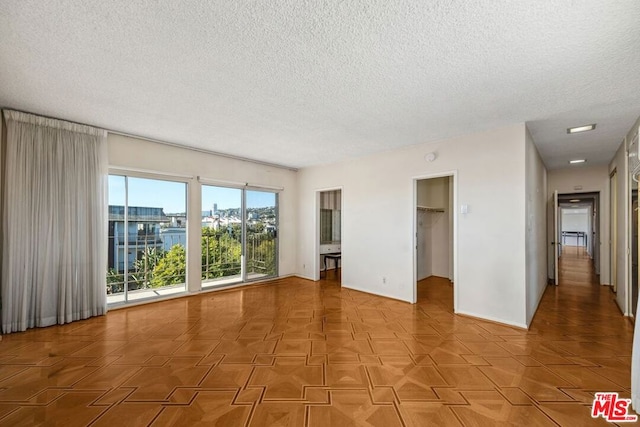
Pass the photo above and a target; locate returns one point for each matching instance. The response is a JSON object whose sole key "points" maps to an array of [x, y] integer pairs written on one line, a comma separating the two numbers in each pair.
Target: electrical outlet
{"points": [[384, 279], [304, 266]]}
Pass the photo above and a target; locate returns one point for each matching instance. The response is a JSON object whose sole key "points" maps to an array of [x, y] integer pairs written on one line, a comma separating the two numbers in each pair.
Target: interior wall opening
{"points": [[329, 213], [435, 241], [579, 235]]}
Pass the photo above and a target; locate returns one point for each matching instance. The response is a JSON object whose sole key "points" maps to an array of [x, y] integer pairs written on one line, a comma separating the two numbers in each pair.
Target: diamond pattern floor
{"points": [[295, 353]]}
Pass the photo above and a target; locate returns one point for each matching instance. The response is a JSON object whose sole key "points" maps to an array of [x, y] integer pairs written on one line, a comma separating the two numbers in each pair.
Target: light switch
{"points": [[464, 209]]}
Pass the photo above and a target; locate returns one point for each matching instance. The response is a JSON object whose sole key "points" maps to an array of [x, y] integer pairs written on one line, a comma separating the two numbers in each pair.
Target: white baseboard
{"points": [[380, 294], [493, 319]]}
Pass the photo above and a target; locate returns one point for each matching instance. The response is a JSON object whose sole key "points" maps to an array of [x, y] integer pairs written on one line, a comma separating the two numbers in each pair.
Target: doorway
{"points": [[329, 235], [434, 233], [577, 231], [575, 226]]}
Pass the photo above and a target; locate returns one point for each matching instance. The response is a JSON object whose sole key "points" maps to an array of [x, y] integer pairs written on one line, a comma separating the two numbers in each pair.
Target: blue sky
{"points": [[172, 195]]}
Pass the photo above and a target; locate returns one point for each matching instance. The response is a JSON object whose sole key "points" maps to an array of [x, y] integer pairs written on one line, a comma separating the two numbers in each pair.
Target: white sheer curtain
{"points": [[53, 223]]}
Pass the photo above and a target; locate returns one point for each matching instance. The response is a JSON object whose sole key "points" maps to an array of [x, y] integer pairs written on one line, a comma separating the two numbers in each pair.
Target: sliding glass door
{"points": [[261, 234], [147, 238], [239, 235], [221, 235]]}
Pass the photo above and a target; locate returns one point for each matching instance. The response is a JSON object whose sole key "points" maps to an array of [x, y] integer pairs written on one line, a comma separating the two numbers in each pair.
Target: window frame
{"points": [[151, 175]]}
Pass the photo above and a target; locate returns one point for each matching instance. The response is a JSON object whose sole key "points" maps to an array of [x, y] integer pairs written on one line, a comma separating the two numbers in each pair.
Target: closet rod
{"points": [[428, 209]]}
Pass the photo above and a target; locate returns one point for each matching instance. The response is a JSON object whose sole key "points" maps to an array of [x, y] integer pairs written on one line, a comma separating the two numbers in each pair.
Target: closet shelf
{"points": [[430, 209]]}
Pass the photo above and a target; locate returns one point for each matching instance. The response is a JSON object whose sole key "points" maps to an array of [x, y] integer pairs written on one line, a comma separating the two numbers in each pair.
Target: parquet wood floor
{"points": [[295, 353]]}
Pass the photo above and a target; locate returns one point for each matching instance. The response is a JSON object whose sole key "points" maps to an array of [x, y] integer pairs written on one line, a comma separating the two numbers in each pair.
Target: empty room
{"points": [[254, 213]]}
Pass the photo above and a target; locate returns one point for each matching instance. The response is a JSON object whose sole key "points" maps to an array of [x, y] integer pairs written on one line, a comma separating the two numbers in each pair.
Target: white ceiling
{"points": [[301, 83]]}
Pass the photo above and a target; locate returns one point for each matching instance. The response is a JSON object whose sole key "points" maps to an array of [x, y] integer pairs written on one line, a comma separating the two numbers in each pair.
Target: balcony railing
{"points": [[153, 267], [156, 268], [221, 256], [140, 241], [261, 254]]}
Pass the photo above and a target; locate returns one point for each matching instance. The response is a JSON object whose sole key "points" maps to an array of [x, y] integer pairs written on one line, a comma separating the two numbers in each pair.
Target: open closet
{"points": [[434, 228]]}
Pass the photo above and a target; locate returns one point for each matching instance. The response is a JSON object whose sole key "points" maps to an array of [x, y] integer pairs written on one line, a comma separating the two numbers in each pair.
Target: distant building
{"points": [[173, 236], [149, 227], [177, 220], [211, 222]]}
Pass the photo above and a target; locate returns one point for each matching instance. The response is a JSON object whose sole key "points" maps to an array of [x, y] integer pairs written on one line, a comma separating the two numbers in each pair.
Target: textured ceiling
{"points": [[301, 82]]}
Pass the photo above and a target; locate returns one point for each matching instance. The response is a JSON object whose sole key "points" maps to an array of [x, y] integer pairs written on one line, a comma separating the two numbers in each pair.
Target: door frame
{"points": [[557, 230], [126, 174], [613, 228], [316, 223], [414, 235], [595, 232], [243, 188], [276, 194], [633, 215]]}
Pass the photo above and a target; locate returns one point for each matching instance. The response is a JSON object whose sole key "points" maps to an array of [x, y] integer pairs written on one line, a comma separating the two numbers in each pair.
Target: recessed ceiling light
{"points": [[581, 128], [573, 162], [574, 200]]}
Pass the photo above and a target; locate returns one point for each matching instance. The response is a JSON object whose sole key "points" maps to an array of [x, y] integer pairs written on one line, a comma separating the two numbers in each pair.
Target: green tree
{"points": [[266, 252], [115, 281], [171, 269], [144, 266], [261, 250], [140, 273], [257, 228], [221, 250], [221, 257]]}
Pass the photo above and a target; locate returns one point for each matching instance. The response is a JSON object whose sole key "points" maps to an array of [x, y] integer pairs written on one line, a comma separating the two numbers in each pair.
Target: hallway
{"points": [[587, 338], [299, 353], [578, 343]]}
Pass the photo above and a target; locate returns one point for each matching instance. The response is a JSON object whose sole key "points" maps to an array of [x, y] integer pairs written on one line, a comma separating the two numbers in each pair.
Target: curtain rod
{"points": [[170, 144]]}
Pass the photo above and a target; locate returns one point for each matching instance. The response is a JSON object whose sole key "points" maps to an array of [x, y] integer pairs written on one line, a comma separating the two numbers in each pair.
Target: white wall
{"points": [[434, 240], [575, 220], [434, 192], [379, 220], [536, 235], [142, 154], [591, 179]]}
